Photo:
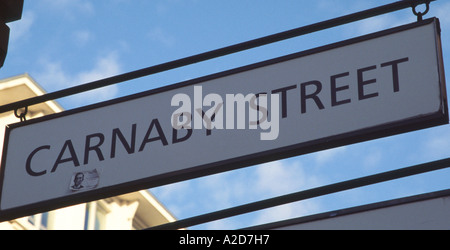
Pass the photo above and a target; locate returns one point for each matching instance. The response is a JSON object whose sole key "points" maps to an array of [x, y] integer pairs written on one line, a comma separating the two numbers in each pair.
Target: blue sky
{"points": [[64, 43]]}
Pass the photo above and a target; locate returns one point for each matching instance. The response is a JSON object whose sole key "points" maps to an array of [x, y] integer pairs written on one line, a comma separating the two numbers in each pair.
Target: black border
{"points": [[416, 123]]}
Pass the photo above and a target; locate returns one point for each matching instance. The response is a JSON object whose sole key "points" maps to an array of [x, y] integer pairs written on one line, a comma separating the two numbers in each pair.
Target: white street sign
{"points": [[377, 85]]}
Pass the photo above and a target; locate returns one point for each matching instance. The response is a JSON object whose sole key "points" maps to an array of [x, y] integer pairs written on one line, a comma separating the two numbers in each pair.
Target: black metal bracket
{"points": [[418, 13], [22, 114]]}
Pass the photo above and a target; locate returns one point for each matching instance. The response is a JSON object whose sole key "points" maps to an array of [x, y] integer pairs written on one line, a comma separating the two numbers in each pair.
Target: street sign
{"points": [[368, 87]]}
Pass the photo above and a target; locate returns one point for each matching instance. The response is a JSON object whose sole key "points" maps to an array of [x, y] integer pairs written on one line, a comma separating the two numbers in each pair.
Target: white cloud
{"points": [[54, 76], [105, 66], [225, 189], [382, 22], [170, 190], [175, 195], [287, 211], [238, 187], [157, 34], [441, 12], [81, 37], [437, 143], [284, 177], [281, 177], [68, 6], [220, 225], [374, 24], [372, 158], [328, 155], [19, 29]]}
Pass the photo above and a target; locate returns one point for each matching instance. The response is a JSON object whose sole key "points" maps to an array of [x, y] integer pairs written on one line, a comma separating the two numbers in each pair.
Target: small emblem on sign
{"points": [[84, 180]]}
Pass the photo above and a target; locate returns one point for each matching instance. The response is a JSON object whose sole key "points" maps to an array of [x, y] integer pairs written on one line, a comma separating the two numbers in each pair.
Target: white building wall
{"points": [[69, 218]]}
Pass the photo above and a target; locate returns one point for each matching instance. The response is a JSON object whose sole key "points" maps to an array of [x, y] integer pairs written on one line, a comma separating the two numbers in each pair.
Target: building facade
{"points": [[137, 210]]}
